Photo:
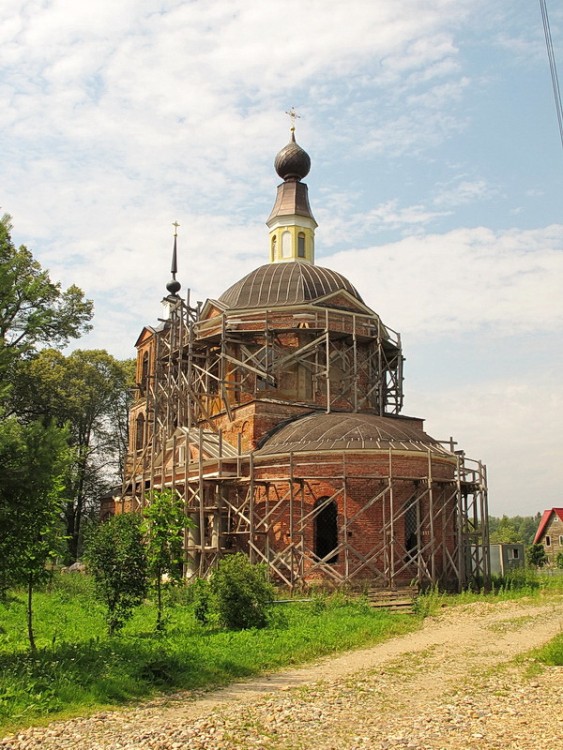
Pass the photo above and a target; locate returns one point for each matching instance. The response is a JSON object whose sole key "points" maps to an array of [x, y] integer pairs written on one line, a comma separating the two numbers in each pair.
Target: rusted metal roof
{"points": [[337, 432], [292, 162], [289, 283], [292, 199]]}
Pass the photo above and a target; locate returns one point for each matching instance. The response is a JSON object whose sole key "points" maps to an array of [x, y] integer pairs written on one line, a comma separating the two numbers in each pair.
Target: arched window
{"points": [[326, 531], [301, 245], [286, 245], [145, 371], [140, 433], [214, 370], [411, 531], [274, 247]]}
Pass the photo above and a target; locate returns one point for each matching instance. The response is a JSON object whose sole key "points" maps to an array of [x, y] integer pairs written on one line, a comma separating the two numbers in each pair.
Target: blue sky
{"points": [[436, 180]]}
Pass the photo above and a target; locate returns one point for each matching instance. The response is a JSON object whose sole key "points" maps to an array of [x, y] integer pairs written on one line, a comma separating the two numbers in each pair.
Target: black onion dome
{"points": [[337, 431], [276, 284], [173, 286], [292, 162]]}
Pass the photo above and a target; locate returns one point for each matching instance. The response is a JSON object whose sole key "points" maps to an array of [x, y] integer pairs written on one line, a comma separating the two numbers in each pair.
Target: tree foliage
{"points": [[536, 556], [116, 558], [241, 593], [88, 392], [164, 525], [34, 311], [513, 529], [33, 460]]}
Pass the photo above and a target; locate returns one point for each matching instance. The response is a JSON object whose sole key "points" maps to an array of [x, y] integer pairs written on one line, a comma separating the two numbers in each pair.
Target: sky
{"points": [[436, 181]]}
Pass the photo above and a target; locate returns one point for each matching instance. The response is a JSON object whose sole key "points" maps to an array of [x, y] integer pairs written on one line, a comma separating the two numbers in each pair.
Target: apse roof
{"points": [[292, 283], [344, 431]]}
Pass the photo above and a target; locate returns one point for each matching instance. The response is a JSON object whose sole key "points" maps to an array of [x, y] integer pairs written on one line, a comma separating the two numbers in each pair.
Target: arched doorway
{"points": [[326, 530]]}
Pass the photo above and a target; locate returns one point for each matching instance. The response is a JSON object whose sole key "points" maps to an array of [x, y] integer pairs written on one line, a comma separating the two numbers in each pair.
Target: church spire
{"points": [[291, 223], [174, 285]]}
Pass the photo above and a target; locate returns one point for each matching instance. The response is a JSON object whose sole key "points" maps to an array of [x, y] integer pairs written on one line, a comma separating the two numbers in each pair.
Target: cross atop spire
{"points": [[293, 116]]}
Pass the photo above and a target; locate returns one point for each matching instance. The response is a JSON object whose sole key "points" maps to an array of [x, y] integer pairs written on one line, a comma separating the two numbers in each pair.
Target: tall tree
{"points": [[88, 391], [164, 525], [513, 529], [32, 463], [34, 311], [116, 558]]}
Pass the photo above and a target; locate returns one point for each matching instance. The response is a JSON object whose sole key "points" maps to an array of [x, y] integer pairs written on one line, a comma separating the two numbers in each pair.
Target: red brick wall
{"points": [[361, 525]]}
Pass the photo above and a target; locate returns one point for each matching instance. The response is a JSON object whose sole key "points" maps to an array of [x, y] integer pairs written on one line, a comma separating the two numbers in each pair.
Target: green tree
{"points": [[34, 311], [32, 464], [535, 555], [164, 525], [241, 592], [116, 558], [513, 529], [89, 392]]}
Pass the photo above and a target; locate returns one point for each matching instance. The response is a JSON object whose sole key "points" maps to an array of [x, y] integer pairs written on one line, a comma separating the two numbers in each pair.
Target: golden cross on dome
{"points": [[293, 116], [175, 225]]}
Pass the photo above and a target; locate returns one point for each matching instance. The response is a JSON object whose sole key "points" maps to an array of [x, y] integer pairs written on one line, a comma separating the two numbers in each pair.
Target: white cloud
{"points": [[461, 191], [119, 118], [340, 223], [514, 426], [467, 279]]}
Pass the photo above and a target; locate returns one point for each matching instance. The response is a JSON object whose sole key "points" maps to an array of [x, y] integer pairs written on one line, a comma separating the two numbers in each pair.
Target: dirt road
{"points": [[454, 685]]}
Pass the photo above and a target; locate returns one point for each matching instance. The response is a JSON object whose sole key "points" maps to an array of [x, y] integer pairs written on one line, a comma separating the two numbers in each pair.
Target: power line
{"points": [[552, 67]]}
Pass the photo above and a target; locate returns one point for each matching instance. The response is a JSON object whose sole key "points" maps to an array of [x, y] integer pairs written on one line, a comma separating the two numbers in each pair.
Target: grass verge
{"points": [[78, 669], [552, 653], [520, 584]]}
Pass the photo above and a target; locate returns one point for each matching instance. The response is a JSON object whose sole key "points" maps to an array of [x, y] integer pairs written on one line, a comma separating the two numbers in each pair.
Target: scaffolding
{"points": [[198, 369]]}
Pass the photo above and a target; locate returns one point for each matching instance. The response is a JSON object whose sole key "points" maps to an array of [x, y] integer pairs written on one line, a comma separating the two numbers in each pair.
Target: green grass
{"points": [[520, 584], [78, 669], [552, 653]]}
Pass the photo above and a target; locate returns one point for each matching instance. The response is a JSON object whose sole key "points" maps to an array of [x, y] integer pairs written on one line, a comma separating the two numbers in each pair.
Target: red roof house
{"points": [[550, 533]]}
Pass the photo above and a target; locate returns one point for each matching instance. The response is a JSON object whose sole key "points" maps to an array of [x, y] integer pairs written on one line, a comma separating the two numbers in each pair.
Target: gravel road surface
{"points": [[454, 685]]}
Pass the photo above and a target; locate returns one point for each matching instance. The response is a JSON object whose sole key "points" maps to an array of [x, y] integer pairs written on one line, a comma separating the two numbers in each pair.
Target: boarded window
{"points": [[326, 531]]}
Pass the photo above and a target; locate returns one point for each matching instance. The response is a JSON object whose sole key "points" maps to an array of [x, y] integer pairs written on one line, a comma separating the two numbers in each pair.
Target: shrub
{"points": [[116, 558], [535, 555], [242, 593], [200, 592], [519, 579]]}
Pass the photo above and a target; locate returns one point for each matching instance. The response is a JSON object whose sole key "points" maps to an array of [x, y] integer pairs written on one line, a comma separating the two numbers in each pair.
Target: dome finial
{"points": [[293, 116], [174, 286], [292, 162]]}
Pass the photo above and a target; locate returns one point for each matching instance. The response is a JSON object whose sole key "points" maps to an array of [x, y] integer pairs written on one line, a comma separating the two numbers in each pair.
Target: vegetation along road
{"points": [[466, 680]]}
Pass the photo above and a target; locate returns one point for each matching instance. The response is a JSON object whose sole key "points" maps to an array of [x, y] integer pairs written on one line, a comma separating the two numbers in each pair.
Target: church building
{"points": [[274, 412]]}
